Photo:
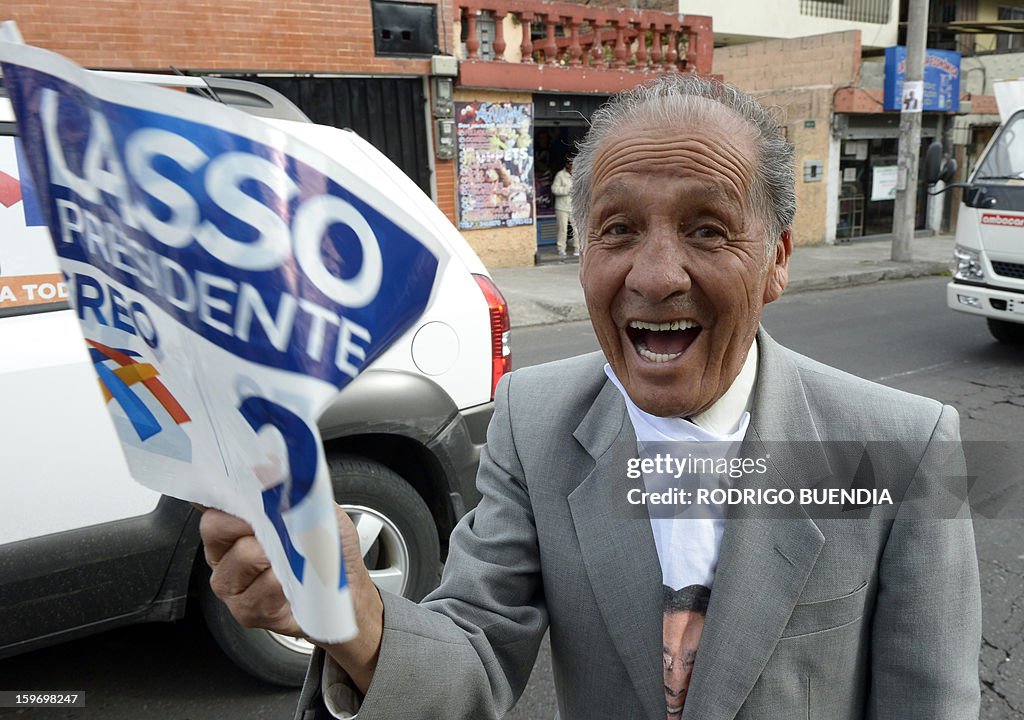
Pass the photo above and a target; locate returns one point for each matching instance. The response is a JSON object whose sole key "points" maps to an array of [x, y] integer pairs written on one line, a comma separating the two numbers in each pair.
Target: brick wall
{"points": [[259, 35], [832, 59], [444, 177], [806, 115], [798, 79]]}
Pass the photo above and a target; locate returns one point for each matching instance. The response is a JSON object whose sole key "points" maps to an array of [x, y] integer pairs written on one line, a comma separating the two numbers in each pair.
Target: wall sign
{"points": [[494, 164], [941, 91], [883, 183]]}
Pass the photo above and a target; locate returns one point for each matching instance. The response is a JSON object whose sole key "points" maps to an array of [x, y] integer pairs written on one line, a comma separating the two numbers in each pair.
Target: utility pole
{"points": [[910, 132]]}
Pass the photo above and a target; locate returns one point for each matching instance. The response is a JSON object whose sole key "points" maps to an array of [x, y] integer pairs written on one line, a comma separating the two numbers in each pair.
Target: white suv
{"points": [[84, 548]]}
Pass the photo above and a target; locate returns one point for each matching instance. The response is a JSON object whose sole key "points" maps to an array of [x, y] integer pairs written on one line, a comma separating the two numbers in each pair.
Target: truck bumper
{"points": [[986, 301]]}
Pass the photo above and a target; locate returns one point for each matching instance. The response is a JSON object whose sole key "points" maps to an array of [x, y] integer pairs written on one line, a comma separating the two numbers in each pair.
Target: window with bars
{"points": [[867, 11]]}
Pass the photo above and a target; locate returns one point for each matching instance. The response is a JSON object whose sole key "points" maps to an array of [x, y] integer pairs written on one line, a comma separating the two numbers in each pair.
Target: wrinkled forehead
{"points": [[711, 144]]}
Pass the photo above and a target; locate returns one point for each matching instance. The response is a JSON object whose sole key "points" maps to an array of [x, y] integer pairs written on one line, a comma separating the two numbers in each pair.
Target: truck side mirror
{"points": [[948, 171], [934, 168]]}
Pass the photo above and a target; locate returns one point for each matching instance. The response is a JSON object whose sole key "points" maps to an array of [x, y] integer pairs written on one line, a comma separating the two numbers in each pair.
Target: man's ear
{"points": [[778, 267]]}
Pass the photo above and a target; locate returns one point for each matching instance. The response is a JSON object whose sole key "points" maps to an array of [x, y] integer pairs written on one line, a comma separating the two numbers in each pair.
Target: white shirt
{"points": [[688, 547]]}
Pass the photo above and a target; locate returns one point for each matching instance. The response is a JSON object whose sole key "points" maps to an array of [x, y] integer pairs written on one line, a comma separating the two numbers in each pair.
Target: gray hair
{"points": [[671, 97]]}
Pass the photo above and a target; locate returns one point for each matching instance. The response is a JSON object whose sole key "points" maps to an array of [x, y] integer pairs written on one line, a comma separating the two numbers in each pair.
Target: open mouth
{"points": [[662, 341]]}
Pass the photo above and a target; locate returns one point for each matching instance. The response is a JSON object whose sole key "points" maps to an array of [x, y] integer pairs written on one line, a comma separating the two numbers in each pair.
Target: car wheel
{"points": [[397, 532], [400, 547], [273, 658], [1006, 332]]}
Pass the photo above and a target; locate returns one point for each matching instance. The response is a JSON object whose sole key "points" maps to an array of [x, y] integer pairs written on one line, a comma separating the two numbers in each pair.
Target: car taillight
{"points": [[501, 352]]}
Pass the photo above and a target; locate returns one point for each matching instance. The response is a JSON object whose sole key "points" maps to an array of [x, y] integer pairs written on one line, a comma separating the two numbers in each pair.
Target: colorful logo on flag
{"points": [[118, 383]]}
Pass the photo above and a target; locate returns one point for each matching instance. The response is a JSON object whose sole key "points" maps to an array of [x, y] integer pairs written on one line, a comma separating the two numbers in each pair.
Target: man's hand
{"points": [[242, 577], [243, 580]]}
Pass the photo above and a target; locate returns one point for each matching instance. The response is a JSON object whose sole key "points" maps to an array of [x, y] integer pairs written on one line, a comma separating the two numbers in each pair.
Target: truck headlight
{"points": [[967, 264]]}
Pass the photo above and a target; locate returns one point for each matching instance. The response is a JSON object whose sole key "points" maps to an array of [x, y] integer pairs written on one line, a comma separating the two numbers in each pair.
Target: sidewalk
{"points": [[550, 293]]}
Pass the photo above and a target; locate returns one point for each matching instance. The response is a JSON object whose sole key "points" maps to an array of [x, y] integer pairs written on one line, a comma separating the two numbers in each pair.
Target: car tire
{"points": [[401, 551], [267, 656], [405, 555], [1006, 332]]}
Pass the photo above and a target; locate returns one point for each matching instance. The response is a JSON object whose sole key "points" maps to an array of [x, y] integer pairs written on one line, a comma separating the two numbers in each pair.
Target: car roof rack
{"points": [[251, 97]]}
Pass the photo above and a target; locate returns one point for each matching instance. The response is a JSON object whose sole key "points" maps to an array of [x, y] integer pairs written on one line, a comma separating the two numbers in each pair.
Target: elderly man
{"points": [[685, 192]]}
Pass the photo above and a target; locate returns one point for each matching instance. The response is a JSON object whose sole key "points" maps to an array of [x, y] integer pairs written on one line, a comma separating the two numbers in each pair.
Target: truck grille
{"points": [[1008, 269]]}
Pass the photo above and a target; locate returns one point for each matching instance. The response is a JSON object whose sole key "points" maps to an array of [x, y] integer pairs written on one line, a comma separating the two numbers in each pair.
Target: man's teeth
{"points": [[672, 325], [655, 357], [649, 354]]}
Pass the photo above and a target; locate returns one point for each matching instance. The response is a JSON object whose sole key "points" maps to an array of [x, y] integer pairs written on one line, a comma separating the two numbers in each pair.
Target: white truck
{"points": [[988, 259]]}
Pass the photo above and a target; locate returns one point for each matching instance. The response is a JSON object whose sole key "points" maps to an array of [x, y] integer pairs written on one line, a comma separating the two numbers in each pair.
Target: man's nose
{"points": [[660, 267]]}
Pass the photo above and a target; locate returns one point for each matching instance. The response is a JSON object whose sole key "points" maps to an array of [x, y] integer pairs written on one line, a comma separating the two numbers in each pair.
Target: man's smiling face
{"points": [[674, 269]]}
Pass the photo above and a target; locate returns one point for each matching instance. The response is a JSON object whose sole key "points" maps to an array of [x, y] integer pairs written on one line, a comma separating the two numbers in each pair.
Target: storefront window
{"points": [[867, 198]]}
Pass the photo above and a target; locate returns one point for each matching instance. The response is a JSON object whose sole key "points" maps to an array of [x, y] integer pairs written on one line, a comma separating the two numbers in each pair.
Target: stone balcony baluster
{"points": [[578, 48], [472, 38], [550, 45], [499, 35]]}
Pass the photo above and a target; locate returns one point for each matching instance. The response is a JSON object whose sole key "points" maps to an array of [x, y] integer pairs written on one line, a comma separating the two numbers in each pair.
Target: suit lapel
{"points": [[617, 547], [766, 555]]}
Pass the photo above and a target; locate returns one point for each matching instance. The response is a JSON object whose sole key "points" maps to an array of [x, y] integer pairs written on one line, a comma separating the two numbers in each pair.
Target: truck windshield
{"points": [[1005, 159]]}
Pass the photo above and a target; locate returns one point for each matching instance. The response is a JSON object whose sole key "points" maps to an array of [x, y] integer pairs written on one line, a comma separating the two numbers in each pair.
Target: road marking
{"points": [[926, 368]]}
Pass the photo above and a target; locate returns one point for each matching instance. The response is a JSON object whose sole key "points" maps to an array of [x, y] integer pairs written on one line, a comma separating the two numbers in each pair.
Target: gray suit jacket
{"points": [[808, 618]]}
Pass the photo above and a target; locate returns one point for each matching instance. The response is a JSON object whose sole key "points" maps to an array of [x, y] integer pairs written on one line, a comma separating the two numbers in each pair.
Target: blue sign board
{"points": [[941, 79]]}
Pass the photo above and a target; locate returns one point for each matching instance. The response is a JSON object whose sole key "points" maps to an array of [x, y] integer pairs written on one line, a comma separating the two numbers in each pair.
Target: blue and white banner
{"points": [[938, 92], [229, 279]]}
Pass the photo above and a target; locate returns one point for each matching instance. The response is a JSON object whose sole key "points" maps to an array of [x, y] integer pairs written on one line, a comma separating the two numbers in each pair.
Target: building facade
{"points": [[829, 91]]}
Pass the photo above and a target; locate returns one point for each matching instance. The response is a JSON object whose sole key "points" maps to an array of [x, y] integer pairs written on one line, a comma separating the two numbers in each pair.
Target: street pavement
{"points": [[550, 293]]}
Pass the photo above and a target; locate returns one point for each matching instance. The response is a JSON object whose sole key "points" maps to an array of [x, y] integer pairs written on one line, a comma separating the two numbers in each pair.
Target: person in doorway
{"points": [[562, 188]]}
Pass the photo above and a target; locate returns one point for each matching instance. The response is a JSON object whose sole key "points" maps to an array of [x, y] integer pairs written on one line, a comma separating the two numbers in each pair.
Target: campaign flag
{"points": [[228, 279]]}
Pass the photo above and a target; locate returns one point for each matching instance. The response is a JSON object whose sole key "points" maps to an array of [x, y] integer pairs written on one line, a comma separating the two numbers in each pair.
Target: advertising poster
{"points": [[228, 280], [883, 183], [941, 89], [494, 164]]}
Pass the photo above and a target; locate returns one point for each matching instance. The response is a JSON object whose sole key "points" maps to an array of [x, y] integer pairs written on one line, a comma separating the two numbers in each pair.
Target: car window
{"points": [[30, 280]]}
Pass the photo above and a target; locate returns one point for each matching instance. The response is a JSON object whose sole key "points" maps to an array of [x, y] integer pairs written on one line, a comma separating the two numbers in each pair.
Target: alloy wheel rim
{"points": [[382, 542]]}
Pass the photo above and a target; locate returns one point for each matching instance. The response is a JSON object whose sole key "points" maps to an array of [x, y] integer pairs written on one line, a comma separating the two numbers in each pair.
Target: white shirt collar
{"points": [[728, 416]]}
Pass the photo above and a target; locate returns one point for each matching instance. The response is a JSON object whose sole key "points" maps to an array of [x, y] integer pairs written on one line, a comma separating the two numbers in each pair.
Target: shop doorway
{"points": [[868, 175], [560, 122], [552, 146]]}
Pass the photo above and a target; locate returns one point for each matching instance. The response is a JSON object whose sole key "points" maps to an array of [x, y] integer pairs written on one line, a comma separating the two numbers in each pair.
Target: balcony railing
{"points": [[521, 43]]}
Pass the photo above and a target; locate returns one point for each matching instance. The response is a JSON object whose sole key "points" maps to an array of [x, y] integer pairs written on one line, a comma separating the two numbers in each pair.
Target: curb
{"points": [[867, 277]]}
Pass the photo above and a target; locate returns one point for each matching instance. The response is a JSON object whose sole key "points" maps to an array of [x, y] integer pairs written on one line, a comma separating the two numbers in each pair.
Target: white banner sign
{"points": [[883, 183]]}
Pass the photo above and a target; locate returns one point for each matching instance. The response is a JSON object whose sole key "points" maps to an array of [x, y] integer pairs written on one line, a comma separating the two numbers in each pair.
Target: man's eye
{"points": [[709, 232], [616, 229]]}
